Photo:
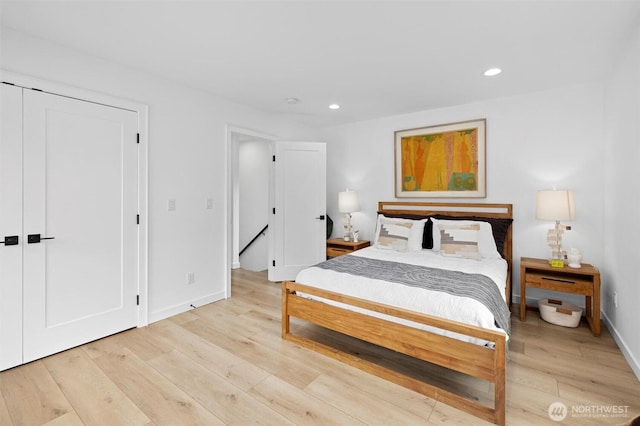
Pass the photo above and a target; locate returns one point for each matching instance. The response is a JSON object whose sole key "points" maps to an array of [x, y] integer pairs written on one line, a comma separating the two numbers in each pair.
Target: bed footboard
{"points": [[474, 360]]}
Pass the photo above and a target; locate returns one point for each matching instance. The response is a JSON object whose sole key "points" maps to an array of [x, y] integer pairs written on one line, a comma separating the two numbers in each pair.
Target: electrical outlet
{"points": [[209, 204], [615, 299], [171, 204], [191, 278]]}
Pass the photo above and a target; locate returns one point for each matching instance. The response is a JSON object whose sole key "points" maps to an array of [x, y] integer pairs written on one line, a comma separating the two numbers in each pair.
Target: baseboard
{"points": [[633, 362], [184, 306], [235, 265]]}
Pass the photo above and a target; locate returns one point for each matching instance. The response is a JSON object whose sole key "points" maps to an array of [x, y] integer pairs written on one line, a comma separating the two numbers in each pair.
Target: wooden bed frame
{"points": [[474, 360]]}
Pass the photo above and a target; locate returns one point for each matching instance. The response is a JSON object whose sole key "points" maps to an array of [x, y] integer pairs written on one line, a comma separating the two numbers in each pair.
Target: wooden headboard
{"points": [[480, 210]]}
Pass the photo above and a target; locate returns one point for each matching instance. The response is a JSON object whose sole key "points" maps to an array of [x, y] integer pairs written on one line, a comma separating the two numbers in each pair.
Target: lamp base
{"points": [[347, 227], [554, 241]]}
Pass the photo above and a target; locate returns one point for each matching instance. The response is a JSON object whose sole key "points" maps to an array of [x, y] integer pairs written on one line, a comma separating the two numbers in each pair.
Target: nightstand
{"points": [[338, 246], [537, 273]]}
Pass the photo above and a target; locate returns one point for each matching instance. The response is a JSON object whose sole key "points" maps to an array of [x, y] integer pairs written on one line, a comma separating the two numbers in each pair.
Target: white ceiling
{"points": [[374, 58]]}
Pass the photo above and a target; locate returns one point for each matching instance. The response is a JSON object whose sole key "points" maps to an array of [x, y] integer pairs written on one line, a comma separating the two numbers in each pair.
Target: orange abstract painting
{"points": [[441, 161]]}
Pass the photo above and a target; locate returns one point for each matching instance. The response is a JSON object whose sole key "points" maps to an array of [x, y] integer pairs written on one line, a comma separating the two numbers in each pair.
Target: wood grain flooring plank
{"points": [[95, 398], [564, 365], [443, 414], [236, 370], [532, 378], [299, 407], [184, 317], [69, 419], [362, 405], [32, 395], [607, 393], [143, 342], [533, 403], [298, 373], [157, 397], [5, 418], [231, 404], [224, 319]]}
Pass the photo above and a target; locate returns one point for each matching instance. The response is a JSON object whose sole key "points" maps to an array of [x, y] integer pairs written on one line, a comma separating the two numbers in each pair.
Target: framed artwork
{"points": [[441, 161]]}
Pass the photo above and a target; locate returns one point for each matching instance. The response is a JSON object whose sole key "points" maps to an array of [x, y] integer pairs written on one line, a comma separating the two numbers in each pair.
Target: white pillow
{"points": [[396, 231], [486, 244]]}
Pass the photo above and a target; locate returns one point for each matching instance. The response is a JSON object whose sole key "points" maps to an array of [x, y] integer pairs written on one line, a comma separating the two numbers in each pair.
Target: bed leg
{"points": [[500, 398], [285, 313]]}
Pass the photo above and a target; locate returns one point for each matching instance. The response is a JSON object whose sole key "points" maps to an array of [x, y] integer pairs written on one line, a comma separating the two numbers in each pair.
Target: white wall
{"points": [[187, 162], [622, 200], [254, 162], [534, 141]]}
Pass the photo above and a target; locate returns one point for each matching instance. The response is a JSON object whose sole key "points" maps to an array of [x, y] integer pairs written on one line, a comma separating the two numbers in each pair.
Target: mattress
{"points": [[436, 303]]}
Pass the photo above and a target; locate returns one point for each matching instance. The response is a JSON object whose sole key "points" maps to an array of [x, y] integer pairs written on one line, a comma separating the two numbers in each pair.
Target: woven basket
{"points": [[559, 312]]}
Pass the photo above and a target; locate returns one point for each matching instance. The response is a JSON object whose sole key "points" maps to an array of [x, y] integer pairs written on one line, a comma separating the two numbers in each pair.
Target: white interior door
{"points": [[10, 226], [80, 190], [299, 223]]}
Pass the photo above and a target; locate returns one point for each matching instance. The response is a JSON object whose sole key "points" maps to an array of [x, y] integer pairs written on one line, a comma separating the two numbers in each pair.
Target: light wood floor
{"points": [[225, 363]]}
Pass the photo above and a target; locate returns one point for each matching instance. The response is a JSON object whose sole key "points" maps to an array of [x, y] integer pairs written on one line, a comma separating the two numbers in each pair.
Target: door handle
{"points": [[11, 240], [321, 217], [36, 238]]}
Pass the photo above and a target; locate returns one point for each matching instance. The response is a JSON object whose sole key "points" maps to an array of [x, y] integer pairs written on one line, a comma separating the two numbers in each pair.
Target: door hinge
{"points": [[138, 300], [273, 262], [274, 158], [138, 138], [137, 219], [274, 210]]}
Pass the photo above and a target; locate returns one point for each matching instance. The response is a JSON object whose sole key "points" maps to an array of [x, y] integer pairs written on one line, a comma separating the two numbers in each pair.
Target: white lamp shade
{"points": [[555, 205], [348, 202]]}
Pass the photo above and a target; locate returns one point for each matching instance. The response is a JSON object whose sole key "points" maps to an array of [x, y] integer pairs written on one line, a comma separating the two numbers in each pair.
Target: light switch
{"points": [[171, 204], [209, 205]]}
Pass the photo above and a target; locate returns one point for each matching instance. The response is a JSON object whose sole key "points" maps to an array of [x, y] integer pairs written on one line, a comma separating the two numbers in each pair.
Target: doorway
{"points": [[296, 208], [251, 145], [254, 159]]}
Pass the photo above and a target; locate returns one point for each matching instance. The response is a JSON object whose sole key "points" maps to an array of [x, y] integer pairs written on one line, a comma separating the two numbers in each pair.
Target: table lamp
{"points": [[347, 204], [556, 205]]}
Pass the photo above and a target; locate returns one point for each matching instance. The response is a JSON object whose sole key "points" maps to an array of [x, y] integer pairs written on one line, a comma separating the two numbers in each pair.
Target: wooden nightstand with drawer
{"points": [[338, 246], [537, 273]]}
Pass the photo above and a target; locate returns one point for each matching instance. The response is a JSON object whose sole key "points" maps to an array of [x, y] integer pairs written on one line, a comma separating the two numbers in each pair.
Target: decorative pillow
{"points": [[426, 228], [393, 234], [486, 244], [417, 229], [459, 240], [499, 227]]}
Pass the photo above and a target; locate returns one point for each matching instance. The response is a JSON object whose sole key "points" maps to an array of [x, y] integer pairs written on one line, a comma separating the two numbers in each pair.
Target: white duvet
{"points": [[443, 305]]}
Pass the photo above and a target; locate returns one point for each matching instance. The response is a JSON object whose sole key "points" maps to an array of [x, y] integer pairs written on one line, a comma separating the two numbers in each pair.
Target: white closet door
{"points": [[10, 226], [80, 190]]}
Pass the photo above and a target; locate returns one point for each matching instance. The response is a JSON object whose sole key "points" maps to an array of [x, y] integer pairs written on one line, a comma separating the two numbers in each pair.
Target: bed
{"points": [[474, 350]]}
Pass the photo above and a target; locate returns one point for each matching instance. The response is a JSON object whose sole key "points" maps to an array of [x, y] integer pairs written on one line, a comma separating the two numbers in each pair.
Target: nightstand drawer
{"points": [[559, 282], [337, 251]]}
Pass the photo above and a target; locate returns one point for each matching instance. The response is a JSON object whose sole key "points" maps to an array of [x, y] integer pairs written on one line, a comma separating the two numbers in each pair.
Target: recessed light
{"points": [[492, 71], [334, 106], [291, 101]]}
